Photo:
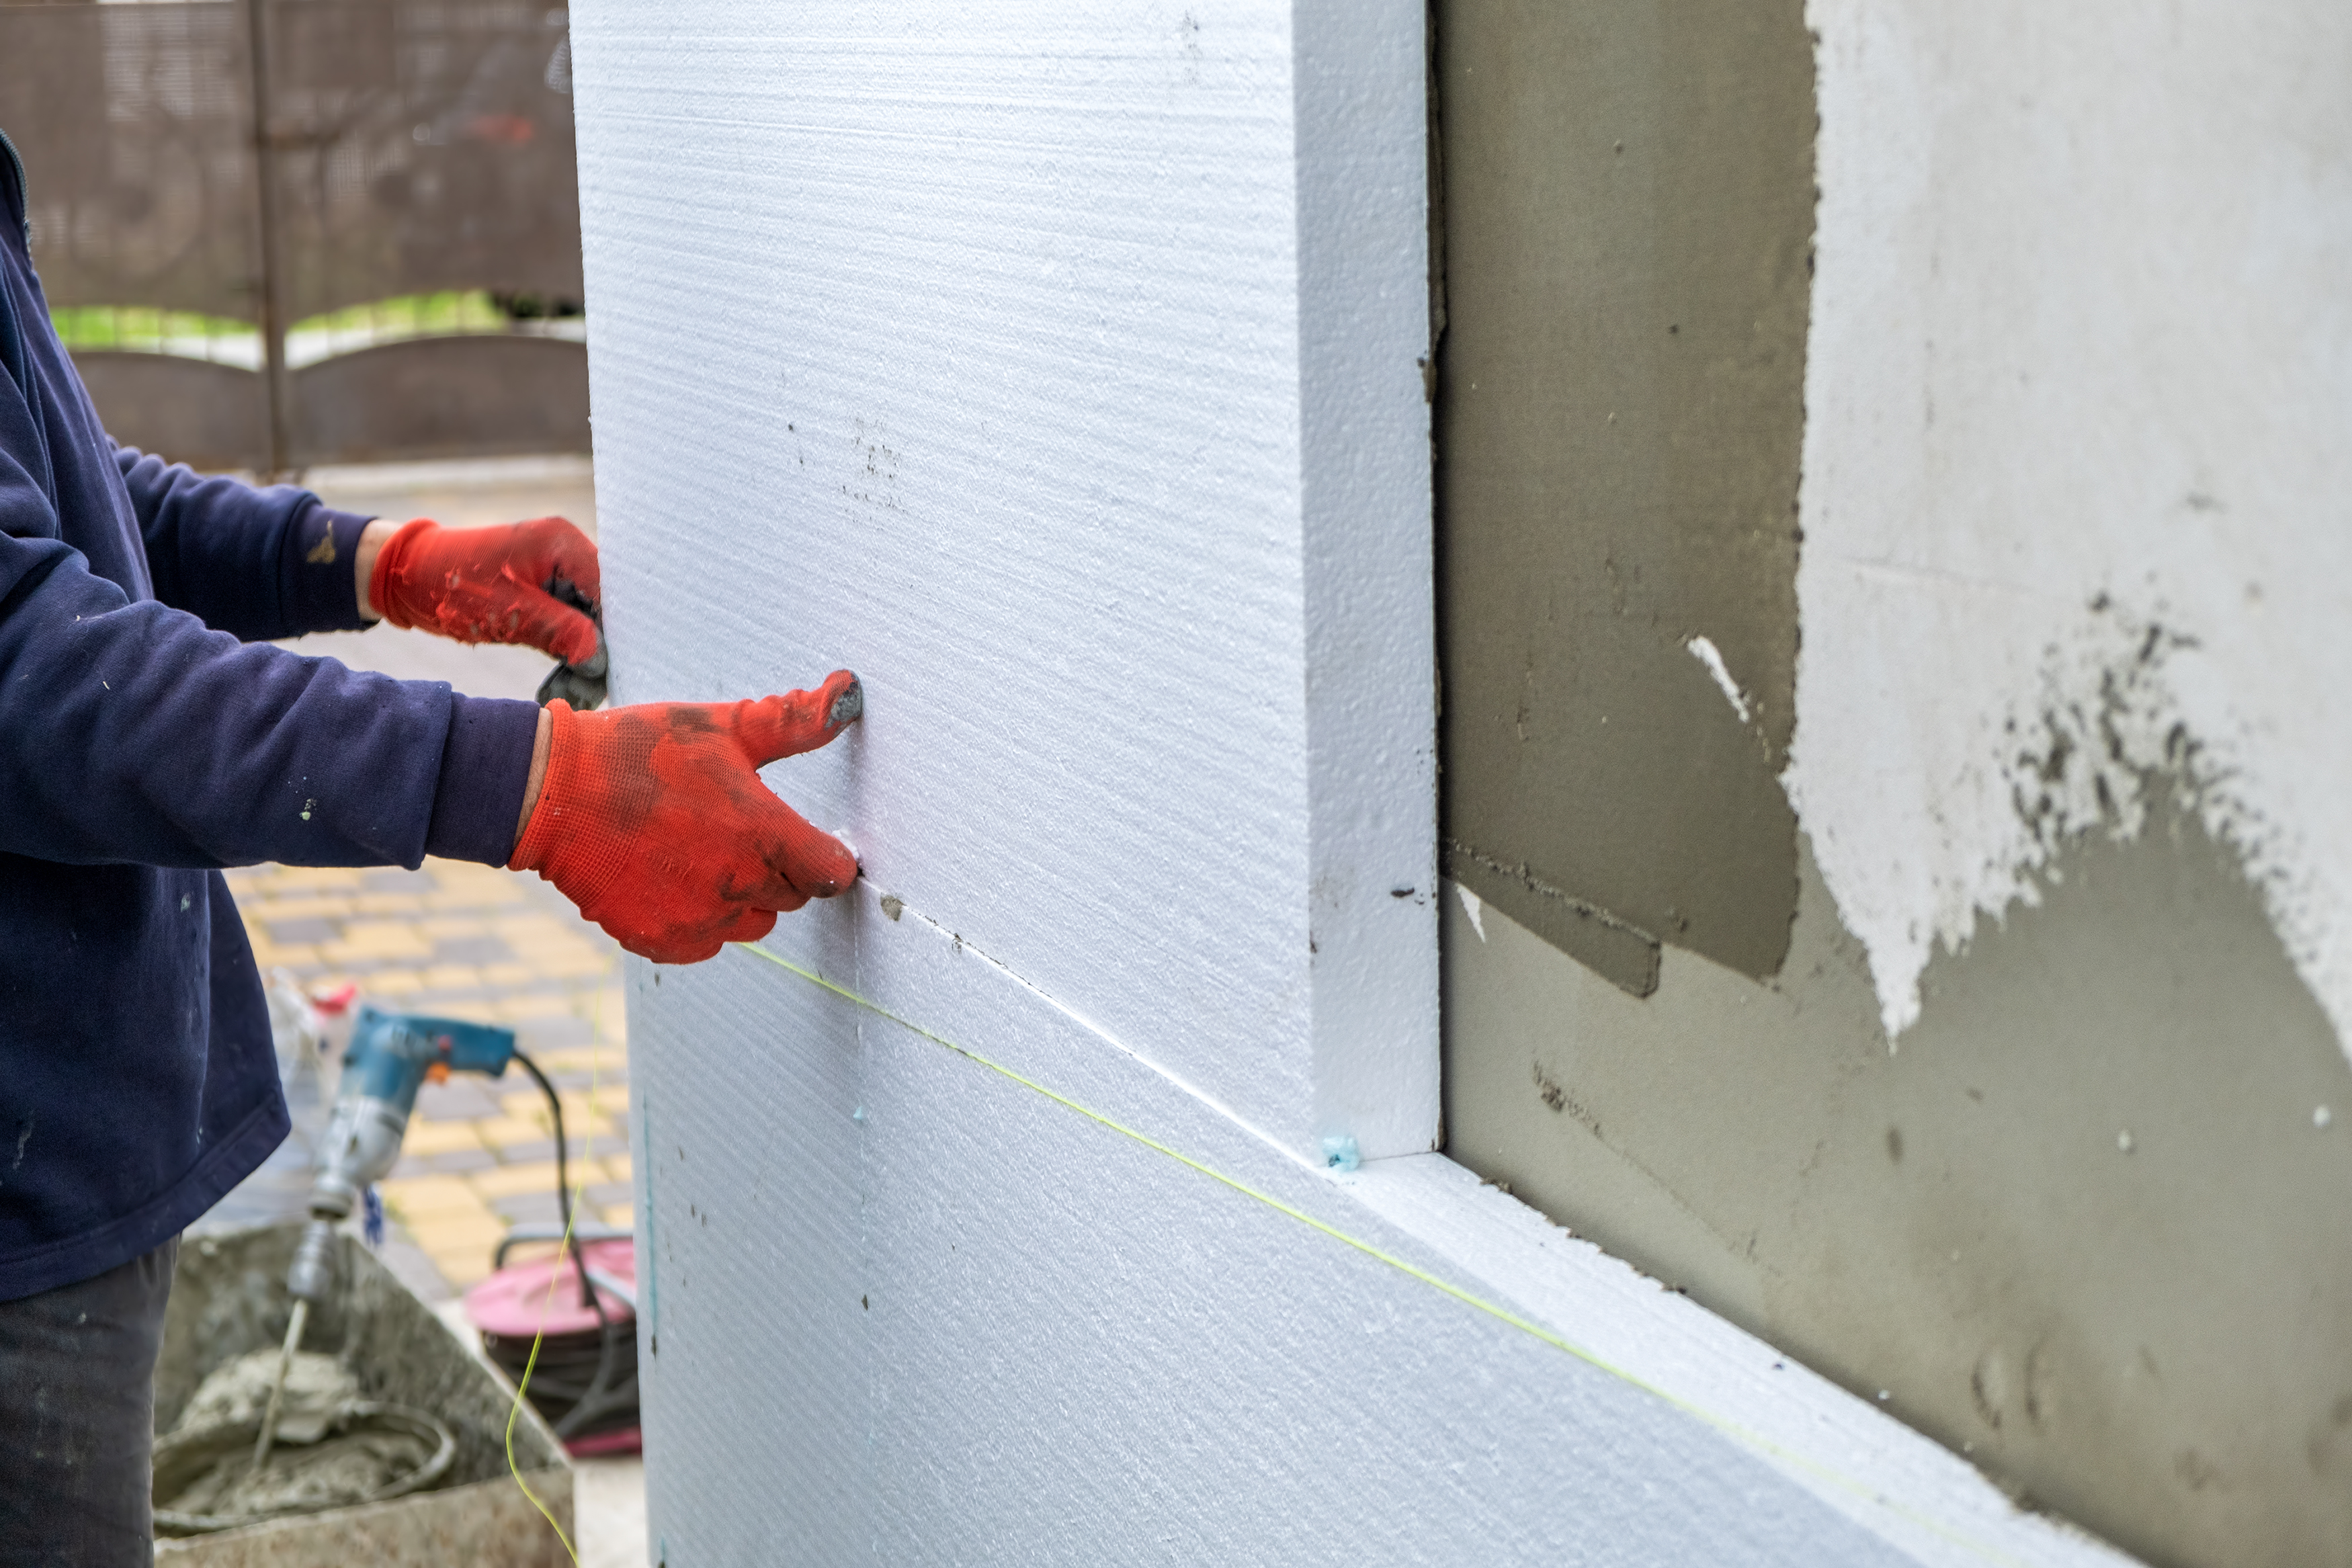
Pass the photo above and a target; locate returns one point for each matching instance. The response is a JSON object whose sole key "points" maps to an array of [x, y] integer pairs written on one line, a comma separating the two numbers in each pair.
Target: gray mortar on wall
{"points": [[1629, 199], [2084, 1224], [2084, 1227]]}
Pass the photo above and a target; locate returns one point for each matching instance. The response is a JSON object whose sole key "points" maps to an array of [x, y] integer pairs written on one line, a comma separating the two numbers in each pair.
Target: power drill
{"points": [[391, 1056]]}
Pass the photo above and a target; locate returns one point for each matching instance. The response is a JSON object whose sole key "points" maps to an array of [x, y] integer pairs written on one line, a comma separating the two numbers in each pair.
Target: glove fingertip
{"points": [[834, 866], [849, 703]]}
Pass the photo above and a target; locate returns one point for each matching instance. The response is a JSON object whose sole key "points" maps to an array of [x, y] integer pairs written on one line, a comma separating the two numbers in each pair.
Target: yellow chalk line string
{"points": [[555, 1275], [1728, 1427]]}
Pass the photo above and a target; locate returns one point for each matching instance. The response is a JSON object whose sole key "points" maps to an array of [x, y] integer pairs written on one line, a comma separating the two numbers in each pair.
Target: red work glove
{"points": [[653, 820], [491, 585]]}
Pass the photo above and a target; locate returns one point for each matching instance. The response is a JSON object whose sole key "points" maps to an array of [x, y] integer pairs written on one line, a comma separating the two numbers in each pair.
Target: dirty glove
{"points": [[653, 820], [534, 583]]}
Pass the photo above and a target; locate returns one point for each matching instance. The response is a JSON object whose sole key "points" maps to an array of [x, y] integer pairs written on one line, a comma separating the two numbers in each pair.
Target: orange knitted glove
{"points": [[653, 820], [522, 582]]}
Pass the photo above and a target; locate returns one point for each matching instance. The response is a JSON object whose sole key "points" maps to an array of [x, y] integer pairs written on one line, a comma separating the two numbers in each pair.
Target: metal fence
{"points": [[285, 232]]}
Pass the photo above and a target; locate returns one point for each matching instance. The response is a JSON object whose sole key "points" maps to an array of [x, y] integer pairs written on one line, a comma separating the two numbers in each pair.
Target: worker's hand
{"points": [[653, 820], [519, 583]]}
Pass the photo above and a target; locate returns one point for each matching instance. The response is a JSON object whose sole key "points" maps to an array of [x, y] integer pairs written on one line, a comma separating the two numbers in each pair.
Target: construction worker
{"points": [[149, 737]]}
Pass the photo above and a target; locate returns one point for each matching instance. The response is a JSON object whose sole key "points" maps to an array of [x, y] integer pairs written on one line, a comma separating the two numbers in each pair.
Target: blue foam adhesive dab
{"points": [[1339, 1152]]}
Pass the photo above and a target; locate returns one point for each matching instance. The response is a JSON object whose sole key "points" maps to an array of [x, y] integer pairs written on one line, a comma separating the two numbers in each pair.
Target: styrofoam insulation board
{"points": [[1020, 362]]}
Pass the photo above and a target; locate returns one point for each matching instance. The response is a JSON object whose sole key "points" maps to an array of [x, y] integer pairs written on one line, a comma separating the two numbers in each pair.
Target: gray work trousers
{"points": [[78, 1418]]}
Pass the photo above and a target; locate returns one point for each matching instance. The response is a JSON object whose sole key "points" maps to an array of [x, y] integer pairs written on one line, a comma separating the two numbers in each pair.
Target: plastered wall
{"points": [[2032, 1132], [1628, 226], [1059, 372]]}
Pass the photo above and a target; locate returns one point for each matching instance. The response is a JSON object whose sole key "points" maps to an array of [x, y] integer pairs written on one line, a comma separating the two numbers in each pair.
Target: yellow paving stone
{"points": [[462, 1266], [426, 1136], [533, 1104], [567, 960], [552, 925], [504, 975], [317, 876], [389, 903], [611, 1099], [481, 1229], [297, 909], [577, 1129], [453, 978], [456, 1226], [524, 928], [472, 897], [268, 955], [441, 927], [538, 939], [537, 1176], [618, 1168], [540, 1005], [620, 1217], [419, 1198], [457, 874], [571, 966], [386, 939], [611, 1059], [507, 1132], [391, 983]]}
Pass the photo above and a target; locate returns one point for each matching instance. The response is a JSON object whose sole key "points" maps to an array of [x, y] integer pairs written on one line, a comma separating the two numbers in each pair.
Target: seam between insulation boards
{"points": [[1754, 1441]]}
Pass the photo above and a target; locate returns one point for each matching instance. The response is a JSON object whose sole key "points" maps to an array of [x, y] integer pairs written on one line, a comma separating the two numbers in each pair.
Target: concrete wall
{"points": [[2034, 1126], [1059, 372]]}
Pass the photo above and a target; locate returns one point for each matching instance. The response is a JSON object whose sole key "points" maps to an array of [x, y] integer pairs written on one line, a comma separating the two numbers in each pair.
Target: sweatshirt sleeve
{"points": [[254, 563], [137, 734]]}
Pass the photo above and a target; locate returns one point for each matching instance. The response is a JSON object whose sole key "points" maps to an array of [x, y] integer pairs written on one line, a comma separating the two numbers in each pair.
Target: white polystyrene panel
{"points": [[964, 355], [908, 1305], [1044, 367]]}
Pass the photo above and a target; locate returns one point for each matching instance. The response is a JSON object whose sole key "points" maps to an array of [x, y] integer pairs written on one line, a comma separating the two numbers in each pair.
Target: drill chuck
{"points": [[313, 1272]]}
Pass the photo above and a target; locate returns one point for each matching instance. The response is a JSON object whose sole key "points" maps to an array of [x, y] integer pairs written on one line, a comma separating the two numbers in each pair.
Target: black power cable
{"points": [[570, 1245], [603, 1391]]}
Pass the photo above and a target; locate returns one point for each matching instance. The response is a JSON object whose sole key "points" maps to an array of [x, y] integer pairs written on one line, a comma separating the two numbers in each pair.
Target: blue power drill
{"points": [[391, 1056]]}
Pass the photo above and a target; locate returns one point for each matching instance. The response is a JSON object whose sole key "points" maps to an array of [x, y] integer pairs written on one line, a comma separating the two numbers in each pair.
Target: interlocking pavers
{"points": [[432, 1137], [537, 1176], [433, 1195], [470, 942]]}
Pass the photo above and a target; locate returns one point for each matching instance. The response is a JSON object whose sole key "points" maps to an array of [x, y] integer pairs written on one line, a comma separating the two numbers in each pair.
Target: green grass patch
{"points": [[137, 327], [415, 316], [141, 327]]}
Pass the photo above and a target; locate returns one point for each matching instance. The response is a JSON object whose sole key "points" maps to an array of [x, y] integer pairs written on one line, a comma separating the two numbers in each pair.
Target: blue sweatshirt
{"points": [[144, 742]]}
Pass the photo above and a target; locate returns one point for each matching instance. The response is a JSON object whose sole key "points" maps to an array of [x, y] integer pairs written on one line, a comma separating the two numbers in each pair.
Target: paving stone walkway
{"points": [[463, 940], [467, 941], [474, 941]]}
